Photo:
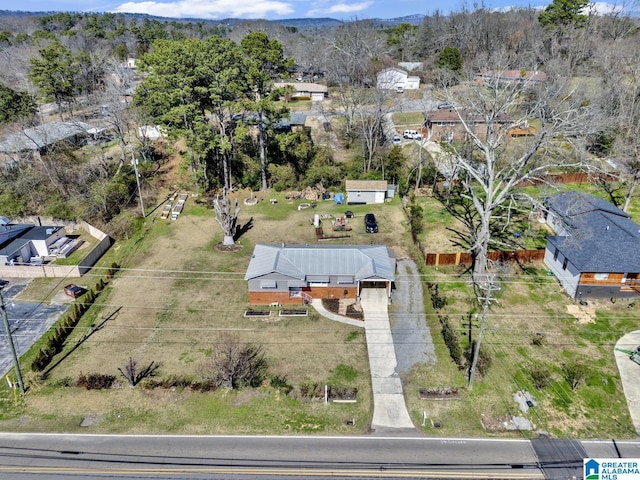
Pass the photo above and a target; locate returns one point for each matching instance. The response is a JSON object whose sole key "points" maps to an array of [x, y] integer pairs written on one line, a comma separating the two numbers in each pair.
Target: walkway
{"points": [[629, 371], [389, 408]]}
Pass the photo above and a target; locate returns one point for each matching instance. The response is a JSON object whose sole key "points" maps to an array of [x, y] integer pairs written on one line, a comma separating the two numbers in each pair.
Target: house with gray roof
{"points": [[36, 140], [596, 250], [27, 244], [296, 274]]}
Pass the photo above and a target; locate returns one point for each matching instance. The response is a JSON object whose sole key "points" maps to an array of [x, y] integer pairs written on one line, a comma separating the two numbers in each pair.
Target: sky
{"points": [[266, 9]]}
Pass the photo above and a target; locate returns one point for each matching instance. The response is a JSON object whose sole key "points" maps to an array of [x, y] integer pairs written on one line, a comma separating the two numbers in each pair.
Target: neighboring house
{"points": [[296, 121], [296, 274], [596, 250], [511, 76], [445, 125], [396, 78], [29, 244], [314, 91], [368, 191], [33, 142]]}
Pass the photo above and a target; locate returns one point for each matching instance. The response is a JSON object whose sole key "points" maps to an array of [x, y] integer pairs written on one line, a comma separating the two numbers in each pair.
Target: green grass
{"points": [[408, 120]]}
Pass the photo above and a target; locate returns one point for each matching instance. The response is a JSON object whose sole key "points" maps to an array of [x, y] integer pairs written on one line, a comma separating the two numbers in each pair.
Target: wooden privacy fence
{"points": [[464, 258]]}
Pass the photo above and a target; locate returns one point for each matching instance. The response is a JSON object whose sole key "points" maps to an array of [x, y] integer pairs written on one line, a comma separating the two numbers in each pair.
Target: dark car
{"points": [[370, 224]]}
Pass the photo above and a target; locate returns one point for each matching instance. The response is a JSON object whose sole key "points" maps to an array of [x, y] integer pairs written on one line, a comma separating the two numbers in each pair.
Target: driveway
{"points": [[28, 322], [411, 335], [629, 373], [389, 408]]}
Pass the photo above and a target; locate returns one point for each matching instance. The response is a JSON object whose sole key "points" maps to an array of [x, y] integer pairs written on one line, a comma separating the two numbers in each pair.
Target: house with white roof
{"points": [[296, 274], [397, 78]]}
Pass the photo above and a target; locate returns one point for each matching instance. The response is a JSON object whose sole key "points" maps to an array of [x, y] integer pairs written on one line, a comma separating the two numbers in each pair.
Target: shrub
{"points": [[96, 381], [540, 376], [451, 340]]}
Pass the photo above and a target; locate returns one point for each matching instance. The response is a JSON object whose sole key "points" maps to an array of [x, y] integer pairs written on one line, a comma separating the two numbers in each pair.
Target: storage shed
{"points": [[366, 191]]}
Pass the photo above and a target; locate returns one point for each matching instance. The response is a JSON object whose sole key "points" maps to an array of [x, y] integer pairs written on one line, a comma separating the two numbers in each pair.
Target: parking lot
{"points": [[28, 322]]}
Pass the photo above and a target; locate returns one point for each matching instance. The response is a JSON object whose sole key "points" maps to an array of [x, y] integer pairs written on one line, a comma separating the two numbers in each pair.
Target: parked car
{"points": [[396, 140], [446, 106], [399, 90], [409, 134], [370, 224]]}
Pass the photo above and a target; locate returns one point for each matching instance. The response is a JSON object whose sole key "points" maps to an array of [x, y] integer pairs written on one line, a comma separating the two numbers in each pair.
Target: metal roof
{"points": [[41, 136], [303, 261]]}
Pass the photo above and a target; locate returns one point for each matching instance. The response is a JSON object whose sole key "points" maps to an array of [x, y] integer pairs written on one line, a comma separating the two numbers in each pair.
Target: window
{"points": [[555, 254], [564, 264], [601, 276]]}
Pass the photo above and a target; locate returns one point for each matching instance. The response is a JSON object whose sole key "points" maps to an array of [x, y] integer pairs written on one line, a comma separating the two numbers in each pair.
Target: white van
{"points": [[412, 134]]}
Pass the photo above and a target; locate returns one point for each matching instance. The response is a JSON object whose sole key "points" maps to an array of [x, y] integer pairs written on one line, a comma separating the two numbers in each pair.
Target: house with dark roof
{"points": [[25, 244], [296, 274], [596, 250]]}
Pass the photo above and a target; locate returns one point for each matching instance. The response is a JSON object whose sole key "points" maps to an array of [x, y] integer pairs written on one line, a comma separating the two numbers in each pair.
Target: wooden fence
{"points": [[464, 258]]}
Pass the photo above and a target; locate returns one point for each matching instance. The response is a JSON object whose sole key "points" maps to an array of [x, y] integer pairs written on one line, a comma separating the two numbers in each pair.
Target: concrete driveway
{"points": [[389, 408], [629, 374], [28, 322]]}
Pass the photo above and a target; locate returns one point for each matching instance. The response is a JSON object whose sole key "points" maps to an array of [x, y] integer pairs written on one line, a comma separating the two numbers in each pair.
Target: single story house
{"points": [[29, 244], [368, 191], [35, 141], [446, 124], [397, 78], [296, 274], [512, 76], [596, 250], [314, 91], [296, 121]]}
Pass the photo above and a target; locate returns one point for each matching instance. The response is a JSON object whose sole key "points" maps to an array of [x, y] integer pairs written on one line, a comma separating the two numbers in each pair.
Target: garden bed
{"points": [[257, 313], [294, 313], [448, 393]]}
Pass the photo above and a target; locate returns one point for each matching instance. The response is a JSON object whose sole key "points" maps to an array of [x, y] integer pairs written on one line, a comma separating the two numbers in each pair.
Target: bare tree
{"points": [[133, 373], [488, 169], [234, 364], [227, 220], [619, 112]]}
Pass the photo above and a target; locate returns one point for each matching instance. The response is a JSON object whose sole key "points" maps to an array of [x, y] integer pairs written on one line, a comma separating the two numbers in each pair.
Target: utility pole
{"points": [[487, 299], [135, 169], [12, 348]]}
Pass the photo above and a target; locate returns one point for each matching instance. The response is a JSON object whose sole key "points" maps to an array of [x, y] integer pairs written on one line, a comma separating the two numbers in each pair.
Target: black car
{"points": [[370, 224]]}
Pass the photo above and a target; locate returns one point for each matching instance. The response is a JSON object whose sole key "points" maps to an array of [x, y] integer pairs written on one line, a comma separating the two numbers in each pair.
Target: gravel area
{"points": [[411, 335]]}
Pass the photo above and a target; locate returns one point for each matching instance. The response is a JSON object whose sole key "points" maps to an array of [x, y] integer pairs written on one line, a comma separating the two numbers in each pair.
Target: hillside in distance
{"points": [[299, 23]]}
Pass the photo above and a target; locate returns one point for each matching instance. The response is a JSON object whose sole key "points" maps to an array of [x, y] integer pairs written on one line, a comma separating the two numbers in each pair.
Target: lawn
{"points": [[176, 295], [171, 302]]}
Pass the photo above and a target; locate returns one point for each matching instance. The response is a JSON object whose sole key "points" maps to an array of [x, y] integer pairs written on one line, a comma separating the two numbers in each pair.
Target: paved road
{"points": [[28, 322], [89, 456], [28, 456], [411, 335], [389, 408]]}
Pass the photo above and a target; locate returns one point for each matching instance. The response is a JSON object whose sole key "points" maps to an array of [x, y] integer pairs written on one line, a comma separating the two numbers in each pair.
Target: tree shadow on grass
{"points": [[80, 341], [243, 229]]}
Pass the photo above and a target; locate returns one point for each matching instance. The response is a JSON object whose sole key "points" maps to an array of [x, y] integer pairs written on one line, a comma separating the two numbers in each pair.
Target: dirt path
{"points": [[411, 335]]}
